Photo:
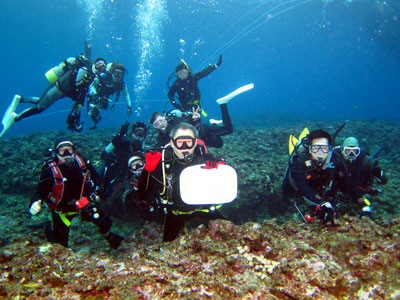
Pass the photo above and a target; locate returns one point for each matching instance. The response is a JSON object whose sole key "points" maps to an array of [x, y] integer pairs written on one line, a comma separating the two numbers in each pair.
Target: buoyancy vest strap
{"points": [[63, 217], [58, 188], [163, 170], [201, 143], [205, 210], [56, 194]]}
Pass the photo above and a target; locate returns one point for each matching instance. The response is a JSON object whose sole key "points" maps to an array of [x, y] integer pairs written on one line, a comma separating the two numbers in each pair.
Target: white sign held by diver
{"points": [[208, 186]]}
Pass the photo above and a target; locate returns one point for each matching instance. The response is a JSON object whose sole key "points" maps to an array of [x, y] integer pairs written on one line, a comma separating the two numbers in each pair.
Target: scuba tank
{"points": [[56, 72], [70, 63]]}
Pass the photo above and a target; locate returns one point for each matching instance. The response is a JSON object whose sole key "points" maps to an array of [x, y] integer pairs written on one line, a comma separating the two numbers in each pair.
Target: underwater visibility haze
{"points": [[313, 63], [327, 60]]}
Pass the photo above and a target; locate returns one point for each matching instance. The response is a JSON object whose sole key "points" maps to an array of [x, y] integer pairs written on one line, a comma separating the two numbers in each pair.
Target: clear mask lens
{"points": [[351, 151], [316, 147]]}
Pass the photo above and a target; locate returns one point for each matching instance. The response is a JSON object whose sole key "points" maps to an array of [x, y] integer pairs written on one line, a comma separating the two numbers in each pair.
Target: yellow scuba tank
{"points": [[56, 72], [53, 74]]}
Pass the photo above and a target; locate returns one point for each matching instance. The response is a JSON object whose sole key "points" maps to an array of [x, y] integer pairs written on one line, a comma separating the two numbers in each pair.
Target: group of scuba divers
{"points": [[77, 78], [148, 177]]}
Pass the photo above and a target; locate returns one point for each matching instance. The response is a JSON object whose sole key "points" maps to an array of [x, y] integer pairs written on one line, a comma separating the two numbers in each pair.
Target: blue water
{"points": [[325, 60]]}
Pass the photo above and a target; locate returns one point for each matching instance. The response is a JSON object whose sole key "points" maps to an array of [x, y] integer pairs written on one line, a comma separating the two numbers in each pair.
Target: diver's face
{"points": [[319, 150], [182, 74], [136, 167], [65, 155], [183, 143], [160, 123], [117, 76]]}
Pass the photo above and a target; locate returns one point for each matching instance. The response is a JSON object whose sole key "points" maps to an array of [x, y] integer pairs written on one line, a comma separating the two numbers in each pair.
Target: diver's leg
{"points": [[50, 96], [172, 226], [32, 100], [227, 120], [60, 230]]}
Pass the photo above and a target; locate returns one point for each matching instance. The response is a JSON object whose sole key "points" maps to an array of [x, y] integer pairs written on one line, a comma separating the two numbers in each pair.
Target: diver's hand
{"points": [[195, 113], [219, 61], [152, 160], [214, 163], [325, 212], [35, 207], [124, 128]]}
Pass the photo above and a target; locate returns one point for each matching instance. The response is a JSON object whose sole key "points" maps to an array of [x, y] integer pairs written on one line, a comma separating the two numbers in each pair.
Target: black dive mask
{"points": [[65, 153], [184, 142]]}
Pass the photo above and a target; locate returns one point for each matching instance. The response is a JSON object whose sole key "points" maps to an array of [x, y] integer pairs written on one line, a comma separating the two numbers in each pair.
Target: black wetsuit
{"points": [[150, 189], [210, 134], [72, 189], [363, 170], [114, 162], [308, 181], [73, 84], [188, 90]]}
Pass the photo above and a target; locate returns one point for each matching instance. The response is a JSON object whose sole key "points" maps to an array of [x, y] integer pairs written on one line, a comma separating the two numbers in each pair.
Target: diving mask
{"points": [[65, 151], [351, 151], [117, 75], [100, 66], [184, 142], [317, 147], [160, 123]]}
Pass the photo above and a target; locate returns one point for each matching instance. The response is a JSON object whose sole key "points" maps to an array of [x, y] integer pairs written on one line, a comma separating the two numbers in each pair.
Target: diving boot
{"points": [[113, 239]]}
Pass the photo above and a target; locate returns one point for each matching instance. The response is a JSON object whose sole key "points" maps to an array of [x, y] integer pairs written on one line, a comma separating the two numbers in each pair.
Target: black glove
{"points": [[219, 61], [121, 141], [73, 121], [325, 212], [124, 128]]}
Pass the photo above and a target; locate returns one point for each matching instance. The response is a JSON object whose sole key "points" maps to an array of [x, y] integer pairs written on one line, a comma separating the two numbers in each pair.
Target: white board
{"points": [[208, 186]]}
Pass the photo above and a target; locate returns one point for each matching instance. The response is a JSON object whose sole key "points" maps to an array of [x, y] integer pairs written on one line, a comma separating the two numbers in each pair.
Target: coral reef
{"points": [[272, 255], [357, 259]]}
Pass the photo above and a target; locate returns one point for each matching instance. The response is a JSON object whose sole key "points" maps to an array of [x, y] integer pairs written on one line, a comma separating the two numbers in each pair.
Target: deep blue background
{"points": [[322, 60]]}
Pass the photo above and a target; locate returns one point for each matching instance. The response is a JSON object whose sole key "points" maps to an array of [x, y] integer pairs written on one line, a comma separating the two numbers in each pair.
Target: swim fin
{"points": [[292, 143], [9, 116], [293, 140], [304, 133], [227, 98]]}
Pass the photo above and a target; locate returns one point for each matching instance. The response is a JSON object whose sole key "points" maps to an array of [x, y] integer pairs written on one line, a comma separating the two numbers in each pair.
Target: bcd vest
{"points": [[55, 196]]}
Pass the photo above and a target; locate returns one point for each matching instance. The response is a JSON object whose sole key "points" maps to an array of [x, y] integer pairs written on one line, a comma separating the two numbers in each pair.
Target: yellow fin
{"points": [[292, 143], [304, 133]]}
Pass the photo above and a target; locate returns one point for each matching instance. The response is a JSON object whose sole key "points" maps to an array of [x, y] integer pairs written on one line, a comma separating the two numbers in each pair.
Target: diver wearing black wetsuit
{"points": [[160, 185], [187, 88]]}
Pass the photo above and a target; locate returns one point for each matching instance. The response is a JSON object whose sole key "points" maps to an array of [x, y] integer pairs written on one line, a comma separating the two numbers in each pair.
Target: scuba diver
{"points": [[363, 168], [111, 82], [159, 183], [210, 133], [186, 86], [67, 185], [164, 122], [316, 173], [71, 78], [116, 153], [125, 196]]}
